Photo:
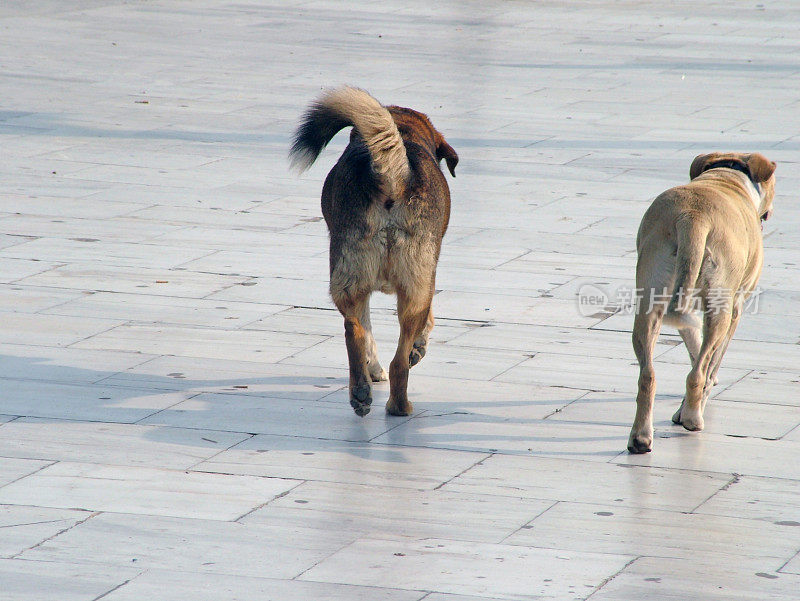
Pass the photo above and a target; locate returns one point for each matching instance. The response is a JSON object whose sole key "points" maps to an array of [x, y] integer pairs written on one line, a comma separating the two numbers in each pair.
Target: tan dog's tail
{"points": [[689, 259], [344, 107]]}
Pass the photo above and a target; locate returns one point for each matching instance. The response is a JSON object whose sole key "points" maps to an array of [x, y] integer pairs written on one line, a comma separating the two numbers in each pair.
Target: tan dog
{"points": [[701, 245], [387, 205]]}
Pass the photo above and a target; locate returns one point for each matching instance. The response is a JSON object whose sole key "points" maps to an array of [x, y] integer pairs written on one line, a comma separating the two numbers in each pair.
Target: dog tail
{"points": [[344, 107], [691, 237]]}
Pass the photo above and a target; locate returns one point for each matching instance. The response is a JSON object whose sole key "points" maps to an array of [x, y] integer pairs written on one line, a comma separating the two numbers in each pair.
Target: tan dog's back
{"points": [[699, 247]]}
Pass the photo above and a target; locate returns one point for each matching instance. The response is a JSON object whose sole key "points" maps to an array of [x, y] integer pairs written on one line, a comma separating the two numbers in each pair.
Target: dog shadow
{"points": [[291, 413]]}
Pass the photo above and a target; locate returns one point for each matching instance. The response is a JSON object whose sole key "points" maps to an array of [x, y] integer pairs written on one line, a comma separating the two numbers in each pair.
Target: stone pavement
{"points": [[173, 398]]}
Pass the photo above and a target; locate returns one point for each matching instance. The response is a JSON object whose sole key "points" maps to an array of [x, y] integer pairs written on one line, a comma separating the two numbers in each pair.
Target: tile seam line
{"points": [[59, 533], [786, 563], [130, 384], [181, 266], [402, 423], [126, 371], [33, 523], [105, 331], [734, 479], [464, 471], [33, 275], [61, 304], [52, 463], [175, 404], [560, 409], [117, 587], [107, 291], [225, 288], [537, 516], [327, 557], [732, 384], [524, 254], [612, 577], [249, 436], [785, 434], [300, 351], [265, 503], [525, 358]]}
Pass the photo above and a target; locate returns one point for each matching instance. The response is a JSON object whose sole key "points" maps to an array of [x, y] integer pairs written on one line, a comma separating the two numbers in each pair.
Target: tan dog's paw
{"points": [[693, 423], [394, 407], [676, 418], [640, 442]]}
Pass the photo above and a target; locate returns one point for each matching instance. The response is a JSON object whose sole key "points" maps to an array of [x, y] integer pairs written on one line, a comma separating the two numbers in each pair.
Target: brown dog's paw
{"points": [[399, 408], [377, 373], [361, 399], [417, 353]]}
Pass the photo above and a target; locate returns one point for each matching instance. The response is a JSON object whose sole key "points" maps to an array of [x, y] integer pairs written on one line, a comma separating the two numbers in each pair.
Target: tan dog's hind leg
{"points": [[646, 327], [412, 313], [717, 361], [715, 330], [421, 341], [692, 339], [376, 372]]}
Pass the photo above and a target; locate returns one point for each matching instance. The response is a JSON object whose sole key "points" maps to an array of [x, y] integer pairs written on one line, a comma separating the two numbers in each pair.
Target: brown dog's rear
{"points": [[387, 205]]}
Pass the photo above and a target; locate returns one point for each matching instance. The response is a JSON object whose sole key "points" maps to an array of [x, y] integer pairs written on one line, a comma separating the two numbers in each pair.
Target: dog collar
{"points": [[736, 166]]}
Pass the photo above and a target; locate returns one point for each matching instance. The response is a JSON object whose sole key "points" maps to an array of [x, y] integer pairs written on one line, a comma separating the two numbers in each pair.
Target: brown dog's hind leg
{"points": [[376, 372], [355, 337], [646, 327], [412, 313], [421, 341]]}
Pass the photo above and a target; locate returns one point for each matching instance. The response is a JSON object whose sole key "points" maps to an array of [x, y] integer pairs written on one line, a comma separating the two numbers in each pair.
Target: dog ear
{"points": [[699, 163], [761, 168], [446, 152]]}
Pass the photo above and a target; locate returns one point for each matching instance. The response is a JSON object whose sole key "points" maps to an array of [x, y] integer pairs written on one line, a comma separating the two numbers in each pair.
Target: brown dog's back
{"points": [[387, 205]]}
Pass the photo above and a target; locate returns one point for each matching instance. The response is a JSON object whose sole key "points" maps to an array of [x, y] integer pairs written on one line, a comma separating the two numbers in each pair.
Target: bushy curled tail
{"points": [[691, 238], [344, 107]]}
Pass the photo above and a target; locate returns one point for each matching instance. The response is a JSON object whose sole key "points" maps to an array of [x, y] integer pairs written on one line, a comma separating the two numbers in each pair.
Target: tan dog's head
{"points": [[757, 167], [416, 127]]}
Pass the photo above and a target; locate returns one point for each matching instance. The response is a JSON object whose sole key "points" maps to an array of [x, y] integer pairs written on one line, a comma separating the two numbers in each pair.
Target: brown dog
{"points": [[701, 244], [387, 205]]}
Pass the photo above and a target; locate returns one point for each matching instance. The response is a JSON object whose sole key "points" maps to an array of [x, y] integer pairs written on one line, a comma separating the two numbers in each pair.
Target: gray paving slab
{"points": [[32, 398], [196, 545], [476, 569], [400, 512], [175, 586], [147, 491], [25, 527], [72, 582], [174, 417], [674, 579], [582, 482], [340, 461], [108, 443], [653, 533]]}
